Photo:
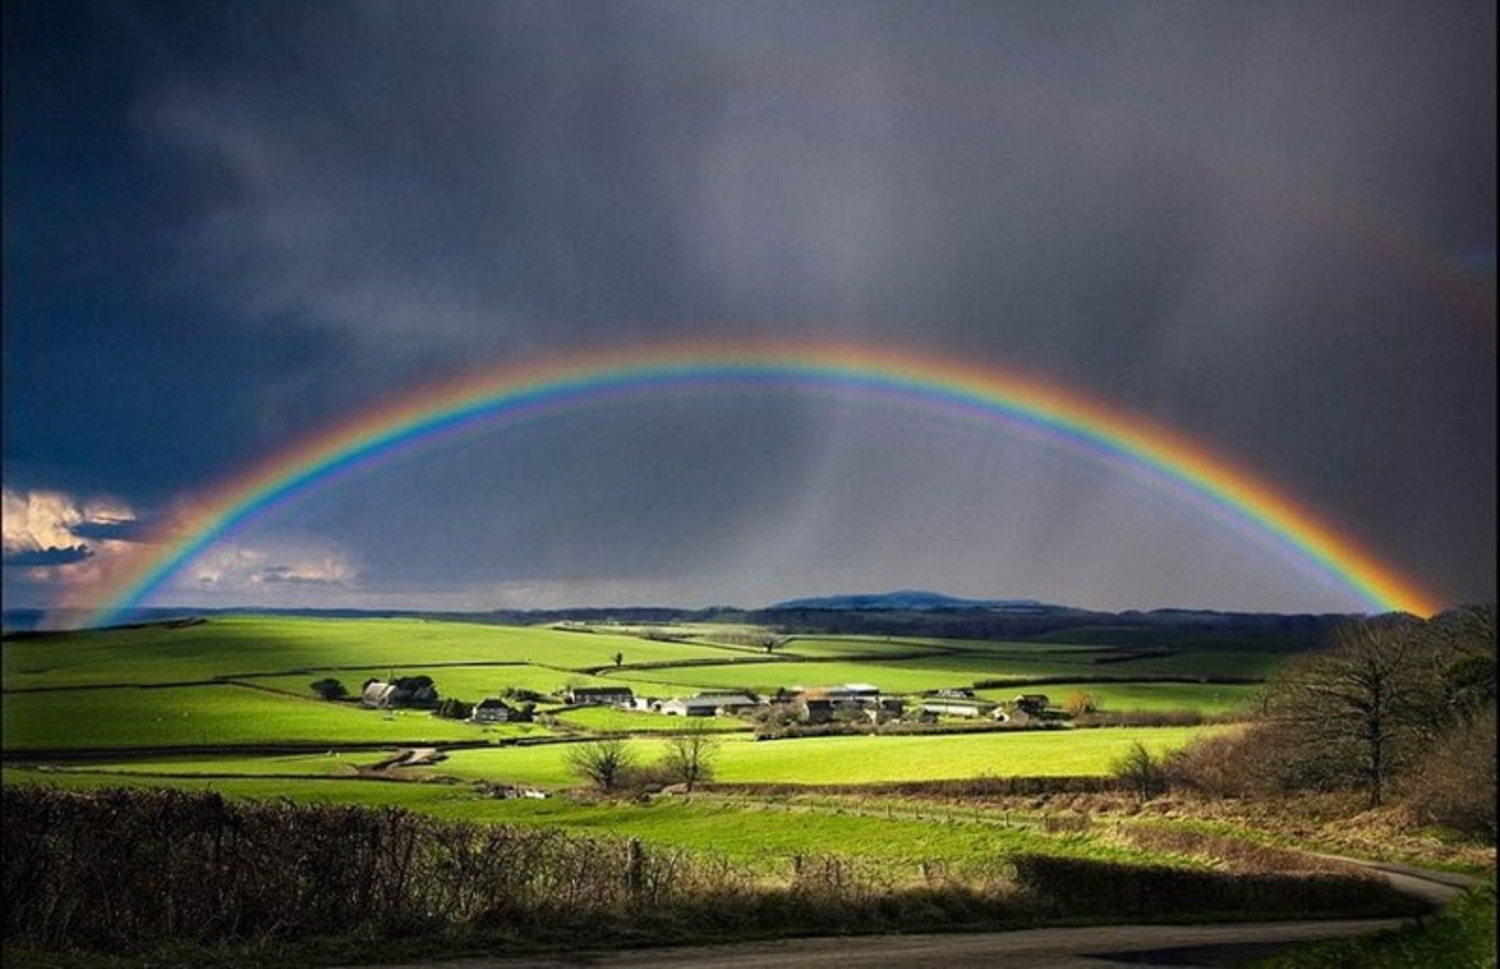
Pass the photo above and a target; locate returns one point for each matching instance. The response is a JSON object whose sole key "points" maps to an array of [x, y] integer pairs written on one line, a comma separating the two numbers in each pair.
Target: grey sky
{"points": [[1271, 225]]}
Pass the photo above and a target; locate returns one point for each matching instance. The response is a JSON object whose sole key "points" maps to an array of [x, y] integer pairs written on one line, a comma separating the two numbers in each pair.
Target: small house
{"points": [[492, 710], [378, 694], [403, 691]]}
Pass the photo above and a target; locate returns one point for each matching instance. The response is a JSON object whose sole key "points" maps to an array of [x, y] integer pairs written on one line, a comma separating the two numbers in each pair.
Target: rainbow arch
{"points": [[590, 379]]}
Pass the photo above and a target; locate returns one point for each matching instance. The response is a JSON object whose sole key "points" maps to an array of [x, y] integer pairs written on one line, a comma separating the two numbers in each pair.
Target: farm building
{"points": [[706, 705], [606, 696], [957, 708], [403, 691], [492, 710], [844, 691], [812, 709]]}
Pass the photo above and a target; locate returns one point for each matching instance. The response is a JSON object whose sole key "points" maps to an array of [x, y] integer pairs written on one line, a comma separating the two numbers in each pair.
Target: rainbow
{"points": [[478, 400]]}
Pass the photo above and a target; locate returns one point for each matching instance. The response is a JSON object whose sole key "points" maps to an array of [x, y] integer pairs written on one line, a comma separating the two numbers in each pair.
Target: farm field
{"points": [[55, 684], [118, 702], [854, 760]]}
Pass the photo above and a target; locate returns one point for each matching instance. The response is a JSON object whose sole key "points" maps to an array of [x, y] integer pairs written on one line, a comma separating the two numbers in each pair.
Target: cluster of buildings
{"points": [[804, 704], [815, 704]]}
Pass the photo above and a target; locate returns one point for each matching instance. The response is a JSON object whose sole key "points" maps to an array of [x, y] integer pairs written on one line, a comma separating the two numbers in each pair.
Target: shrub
{"points": [[1455, 785], [1141, 772], [1078, 886], [452, 708], [329, 688]]}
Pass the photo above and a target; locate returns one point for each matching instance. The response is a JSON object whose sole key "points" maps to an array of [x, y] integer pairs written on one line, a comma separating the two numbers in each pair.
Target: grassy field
{"points": [[244, 682]]}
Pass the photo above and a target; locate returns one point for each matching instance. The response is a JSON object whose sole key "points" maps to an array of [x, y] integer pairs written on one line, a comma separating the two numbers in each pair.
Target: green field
{"points": [[228, 692], [853, 760], [171, 686]]}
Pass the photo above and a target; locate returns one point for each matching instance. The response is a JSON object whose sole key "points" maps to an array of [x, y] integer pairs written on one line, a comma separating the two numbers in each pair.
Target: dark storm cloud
{"points": [[131, 530], [46, 557], [1249, 221]]}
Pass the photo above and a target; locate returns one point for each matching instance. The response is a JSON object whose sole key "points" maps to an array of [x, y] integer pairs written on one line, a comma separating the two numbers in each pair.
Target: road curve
{"points": [[1094, 947], [1091, 947]]}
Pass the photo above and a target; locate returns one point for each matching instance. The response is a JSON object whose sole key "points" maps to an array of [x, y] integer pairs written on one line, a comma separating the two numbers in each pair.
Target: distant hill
{"points": [[900, 613], [911, 600]]}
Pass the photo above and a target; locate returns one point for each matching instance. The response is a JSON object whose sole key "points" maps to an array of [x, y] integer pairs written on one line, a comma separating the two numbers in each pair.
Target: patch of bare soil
{"points": [[405, 757]]}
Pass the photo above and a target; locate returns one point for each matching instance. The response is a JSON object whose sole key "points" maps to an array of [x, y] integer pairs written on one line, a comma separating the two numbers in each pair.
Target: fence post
{"points": [[634, 863]]}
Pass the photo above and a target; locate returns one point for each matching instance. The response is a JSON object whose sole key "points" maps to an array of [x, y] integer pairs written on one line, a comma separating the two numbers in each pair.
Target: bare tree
{"points": [[1359, 710], [689, 757], [604, 762]]}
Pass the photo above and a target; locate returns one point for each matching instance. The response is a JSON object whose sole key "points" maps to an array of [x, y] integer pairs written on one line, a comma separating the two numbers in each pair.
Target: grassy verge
{"points": [[1462, 936]]}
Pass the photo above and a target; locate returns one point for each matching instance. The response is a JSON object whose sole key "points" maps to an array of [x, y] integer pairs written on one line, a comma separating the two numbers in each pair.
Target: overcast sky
{"points": [[1269, 225]]}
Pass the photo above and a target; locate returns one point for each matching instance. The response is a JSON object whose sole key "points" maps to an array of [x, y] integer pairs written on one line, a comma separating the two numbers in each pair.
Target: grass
{"points": [[1462, 936], [249, 644], [852, 760], [105, 719]]}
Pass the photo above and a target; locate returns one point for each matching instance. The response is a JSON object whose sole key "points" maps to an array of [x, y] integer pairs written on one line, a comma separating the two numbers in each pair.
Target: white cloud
{"points": [[272, 571]]}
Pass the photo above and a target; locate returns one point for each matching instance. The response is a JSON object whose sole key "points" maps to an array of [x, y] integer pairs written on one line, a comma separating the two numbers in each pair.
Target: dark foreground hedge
{"points": [[1081, 886], [123, 870], [139, 871]]}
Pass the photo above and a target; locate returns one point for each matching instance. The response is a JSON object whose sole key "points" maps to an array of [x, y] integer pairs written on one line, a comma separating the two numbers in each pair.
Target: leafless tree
{"points": [[1359, 710], [690, 755], [604, 762]]}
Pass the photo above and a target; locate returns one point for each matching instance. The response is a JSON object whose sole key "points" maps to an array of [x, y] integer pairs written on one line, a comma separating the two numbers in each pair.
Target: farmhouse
{"points": [[605, 696], [492, 710], [403, 691], [377, 694]]}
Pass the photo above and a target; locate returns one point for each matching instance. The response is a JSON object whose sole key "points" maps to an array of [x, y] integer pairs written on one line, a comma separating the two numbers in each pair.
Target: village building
{"points": [[492, 710], [942, 706], [403, 691], [706, 705], [606, 696]]}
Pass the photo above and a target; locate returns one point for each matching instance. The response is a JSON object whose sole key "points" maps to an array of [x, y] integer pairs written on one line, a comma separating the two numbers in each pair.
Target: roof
{"points": [[714, 700]]}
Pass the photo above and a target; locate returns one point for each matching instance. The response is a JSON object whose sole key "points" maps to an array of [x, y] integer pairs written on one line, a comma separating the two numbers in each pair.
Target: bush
{"points": [[329, 688], [1081, 886], [1141, 772], [1455, 785], [451, 708]]}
